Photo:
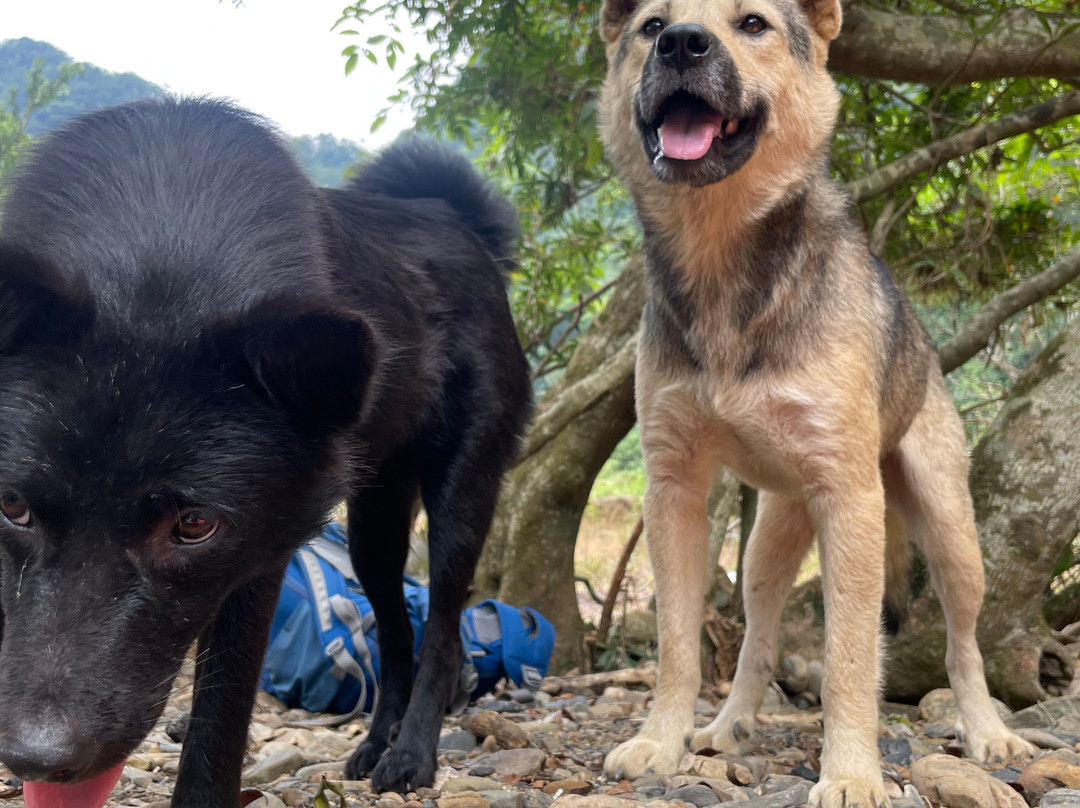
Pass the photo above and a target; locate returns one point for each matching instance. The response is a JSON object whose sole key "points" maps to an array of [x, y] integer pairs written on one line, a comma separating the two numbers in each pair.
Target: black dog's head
{"points": [[705, 87], [174, 392]]}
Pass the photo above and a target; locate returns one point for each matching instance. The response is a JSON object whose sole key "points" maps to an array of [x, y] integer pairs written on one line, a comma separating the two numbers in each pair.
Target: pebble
{"points": [[467, 783], [1061, 798], [567, 787], [459, 739], [520, 762], [270, 768], [1048, 772], [788, 798], [698, 795], [466, 799], [566, 737], [961, 784], [485, 723], [502, 798]]}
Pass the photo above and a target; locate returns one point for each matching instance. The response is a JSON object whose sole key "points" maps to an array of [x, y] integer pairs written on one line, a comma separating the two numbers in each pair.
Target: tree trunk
{"points": [[1025, 483], [529, 556]]}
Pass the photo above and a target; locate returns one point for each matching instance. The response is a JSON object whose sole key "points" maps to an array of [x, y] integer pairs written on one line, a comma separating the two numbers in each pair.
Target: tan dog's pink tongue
{"points": [[90, 793], [688, 135]]}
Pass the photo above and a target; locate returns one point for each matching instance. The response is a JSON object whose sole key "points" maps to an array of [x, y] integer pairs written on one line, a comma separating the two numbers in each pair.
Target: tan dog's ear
{"points": [[614, 16], [824, 15]]}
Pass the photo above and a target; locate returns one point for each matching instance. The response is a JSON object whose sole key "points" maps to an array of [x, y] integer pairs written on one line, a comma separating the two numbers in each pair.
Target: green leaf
{"points": [[350, 63]]}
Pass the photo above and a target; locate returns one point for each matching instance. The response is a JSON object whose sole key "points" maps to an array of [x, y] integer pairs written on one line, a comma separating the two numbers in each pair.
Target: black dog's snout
{"points": [[38, 753], [682, 46]]}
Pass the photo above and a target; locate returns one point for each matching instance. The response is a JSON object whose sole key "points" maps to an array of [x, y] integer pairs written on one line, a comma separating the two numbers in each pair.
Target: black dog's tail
{"points": [[416, 169]]}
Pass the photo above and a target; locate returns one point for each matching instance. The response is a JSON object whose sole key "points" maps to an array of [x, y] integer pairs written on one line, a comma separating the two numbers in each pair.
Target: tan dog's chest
{"points": [[777, 434]]}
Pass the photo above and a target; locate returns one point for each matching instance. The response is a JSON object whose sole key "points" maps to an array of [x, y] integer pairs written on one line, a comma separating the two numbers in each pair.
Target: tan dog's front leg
{"points": [[850, 525], [676, 528]]}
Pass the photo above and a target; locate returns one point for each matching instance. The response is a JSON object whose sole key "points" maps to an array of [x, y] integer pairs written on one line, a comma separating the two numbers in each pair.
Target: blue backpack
{"points": [[323, 654]]}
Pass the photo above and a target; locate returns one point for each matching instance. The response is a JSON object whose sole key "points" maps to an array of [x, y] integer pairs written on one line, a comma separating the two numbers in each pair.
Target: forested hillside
{"points": [[325, 157]]}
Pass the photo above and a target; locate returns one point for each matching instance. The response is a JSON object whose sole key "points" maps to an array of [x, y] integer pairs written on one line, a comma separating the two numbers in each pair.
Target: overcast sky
{"points": [[278, 58]]}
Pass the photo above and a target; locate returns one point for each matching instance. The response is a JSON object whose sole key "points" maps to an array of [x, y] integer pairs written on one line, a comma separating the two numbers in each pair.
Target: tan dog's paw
{"points": [[849, 792], [640, 756], [724, 736], [1000, 748]]}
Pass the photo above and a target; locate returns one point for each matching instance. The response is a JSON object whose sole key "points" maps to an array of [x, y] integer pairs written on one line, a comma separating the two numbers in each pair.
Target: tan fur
{"points": [[808, 379]]}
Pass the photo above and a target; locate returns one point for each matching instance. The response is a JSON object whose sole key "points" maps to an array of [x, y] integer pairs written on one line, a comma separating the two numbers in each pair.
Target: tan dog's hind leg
{"points": [[936, 506], [676, 529], [849, 521], [778, 543]]}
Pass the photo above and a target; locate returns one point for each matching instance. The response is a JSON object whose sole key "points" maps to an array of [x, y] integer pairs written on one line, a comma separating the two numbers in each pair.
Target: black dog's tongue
{"points": [[90, 793]]}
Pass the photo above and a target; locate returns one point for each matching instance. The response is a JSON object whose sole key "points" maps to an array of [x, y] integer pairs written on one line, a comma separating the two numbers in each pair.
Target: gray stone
{"points": [[521, 695], [1061, 798], [779, 782], [701, 796], [1042, 739], [459, 740], [336, 767], [467, 783], [522, 762], [895, 750], [788, 798], [501, 798], [270, 768], [650, 786], [267, 801], [1047, 714], [535, 798]]}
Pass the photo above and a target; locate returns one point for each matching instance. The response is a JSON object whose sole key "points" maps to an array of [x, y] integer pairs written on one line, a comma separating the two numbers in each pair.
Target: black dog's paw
{"points": [[363, 760], [403, 770]]}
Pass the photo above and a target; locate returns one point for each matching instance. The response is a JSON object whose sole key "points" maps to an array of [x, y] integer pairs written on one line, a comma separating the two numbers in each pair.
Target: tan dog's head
{"points": [[699, 89]]}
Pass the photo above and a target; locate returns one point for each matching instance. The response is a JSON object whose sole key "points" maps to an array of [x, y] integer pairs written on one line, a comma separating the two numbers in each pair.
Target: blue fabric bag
{"points": [[323, 653]]}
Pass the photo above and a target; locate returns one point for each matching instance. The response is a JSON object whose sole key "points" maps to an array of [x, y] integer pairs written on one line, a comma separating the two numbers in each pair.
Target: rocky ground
{"points": [[525, 750]]}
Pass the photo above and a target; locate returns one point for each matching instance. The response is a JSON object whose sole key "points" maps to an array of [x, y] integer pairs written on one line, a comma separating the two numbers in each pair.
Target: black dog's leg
{"points": [[459, 493], [380, 516], [226, 674]]}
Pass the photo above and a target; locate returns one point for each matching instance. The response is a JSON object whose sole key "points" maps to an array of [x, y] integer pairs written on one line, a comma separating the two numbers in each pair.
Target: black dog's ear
{"points": [[317, 365], [614, 16], [35, 309]]}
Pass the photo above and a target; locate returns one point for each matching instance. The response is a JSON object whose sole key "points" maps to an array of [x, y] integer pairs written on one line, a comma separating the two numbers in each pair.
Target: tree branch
{"points": [[976, 332], [954, 49], [929, 157], [579, 396]]}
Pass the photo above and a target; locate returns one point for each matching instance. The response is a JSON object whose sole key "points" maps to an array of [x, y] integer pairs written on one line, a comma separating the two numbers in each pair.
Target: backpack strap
{"points": [[335, 553], [344, 664]]}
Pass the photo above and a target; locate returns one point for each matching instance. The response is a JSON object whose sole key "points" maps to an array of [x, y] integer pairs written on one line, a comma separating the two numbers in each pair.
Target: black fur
{"points": [[186, 322]]}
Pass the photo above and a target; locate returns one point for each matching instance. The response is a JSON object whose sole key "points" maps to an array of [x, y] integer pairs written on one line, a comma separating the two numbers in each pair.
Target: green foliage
{"points": [[327, 159], [522, 98], [624, 472], [89, 88], [34, 92], [518, 81]]}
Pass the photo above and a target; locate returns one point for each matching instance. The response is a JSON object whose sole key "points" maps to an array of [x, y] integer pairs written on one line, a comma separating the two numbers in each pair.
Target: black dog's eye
{"points": [[652, 26], [753, 24], [15, 508], [195, 525]]}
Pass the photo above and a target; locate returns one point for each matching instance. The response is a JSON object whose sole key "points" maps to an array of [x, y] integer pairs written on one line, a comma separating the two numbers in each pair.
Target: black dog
{"points": [[200, 354]]}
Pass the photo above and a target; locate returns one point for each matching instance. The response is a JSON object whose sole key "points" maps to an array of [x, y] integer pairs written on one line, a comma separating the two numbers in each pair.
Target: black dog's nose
{"points": [[44, 753], [684, 45]]}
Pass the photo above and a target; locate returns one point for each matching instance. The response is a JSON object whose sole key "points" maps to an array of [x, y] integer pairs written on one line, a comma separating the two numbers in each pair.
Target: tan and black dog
{"points": [[773, 343]]}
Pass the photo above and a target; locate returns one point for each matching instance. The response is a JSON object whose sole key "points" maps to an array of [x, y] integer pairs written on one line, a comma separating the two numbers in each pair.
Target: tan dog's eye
{"points": [[653, 26], [751, 24]]}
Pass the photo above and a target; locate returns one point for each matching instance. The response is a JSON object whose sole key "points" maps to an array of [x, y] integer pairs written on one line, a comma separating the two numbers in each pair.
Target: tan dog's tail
{"points": [[897, 572]]}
